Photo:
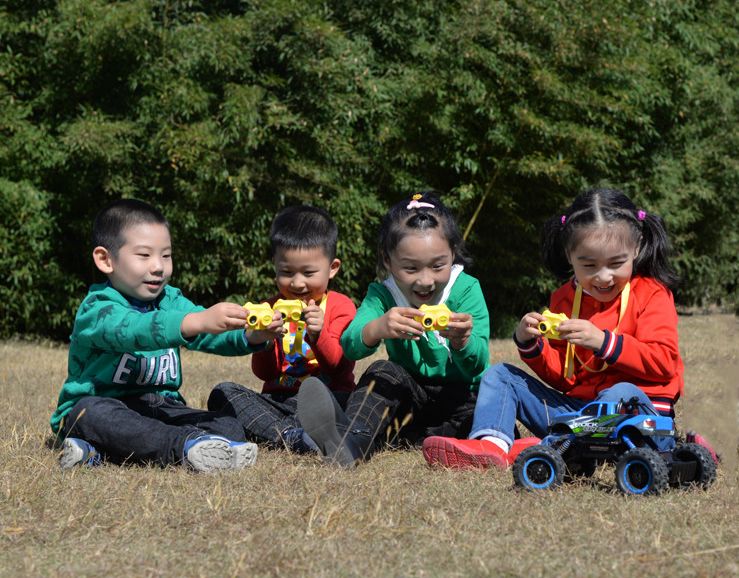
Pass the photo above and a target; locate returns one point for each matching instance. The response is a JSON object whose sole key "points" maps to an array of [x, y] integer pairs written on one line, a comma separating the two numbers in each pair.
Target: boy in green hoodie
{"points": [[121, 398]]}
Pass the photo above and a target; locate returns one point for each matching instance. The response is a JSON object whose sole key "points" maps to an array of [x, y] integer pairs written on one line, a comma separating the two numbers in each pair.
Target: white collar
{"points": [[400, 299]]}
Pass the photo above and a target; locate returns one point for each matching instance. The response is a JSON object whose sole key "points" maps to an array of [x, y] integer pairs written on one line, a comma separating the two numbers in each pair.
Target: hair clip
{"points": [[563, 219], [641, 215], [417, 204]]}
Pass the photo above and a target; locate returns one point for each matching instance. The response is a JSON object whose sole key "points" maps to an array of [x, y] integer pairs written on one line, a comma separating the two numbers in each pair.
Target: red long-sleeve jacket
{"points": [[332, 367], [644, 351]]}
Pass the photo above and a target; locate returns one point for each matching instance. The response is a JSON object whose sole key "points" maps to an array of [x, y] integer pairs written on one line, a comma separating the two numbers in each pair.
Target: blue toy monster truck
{"points": [[629, 433]]}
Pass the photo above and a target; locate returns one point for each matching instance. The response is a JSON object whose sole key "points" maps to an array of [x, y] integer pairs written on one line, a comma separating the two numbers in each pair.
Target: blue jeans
{"points": [[508, 393]]}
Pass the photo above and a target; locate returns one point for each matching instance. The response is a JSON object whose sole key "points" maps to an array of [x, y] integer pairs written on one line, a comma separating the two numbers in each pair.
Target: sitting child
{"points": [[303, 250], [121, 399], [427, 385], [620, 340]]}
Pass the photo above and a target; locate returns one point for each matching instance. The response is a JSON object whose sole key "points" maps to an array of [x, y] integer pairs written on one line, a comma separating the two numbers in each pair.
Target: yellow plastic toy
{"points": [[291, 309], [258, 315], [550, 326], [435, 317]]}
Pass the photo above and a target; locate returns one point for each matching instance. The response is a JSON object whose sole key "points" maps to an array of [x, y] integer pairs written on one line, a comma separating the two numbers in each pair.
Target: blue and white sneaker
{"points": [[209, 453], [78, 452]]}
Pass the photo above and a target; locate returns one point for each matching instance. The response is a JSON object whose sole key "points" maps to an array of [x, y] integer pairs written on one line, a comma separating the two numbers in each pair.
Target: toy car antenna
{"points": [[634, 404]]}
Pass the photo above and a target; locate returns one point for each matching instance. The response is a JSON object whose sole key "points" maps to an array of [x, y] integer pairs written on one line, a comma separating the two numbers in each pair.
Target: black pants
{"points": [[263, 416], [144, 428], [433, 408]]}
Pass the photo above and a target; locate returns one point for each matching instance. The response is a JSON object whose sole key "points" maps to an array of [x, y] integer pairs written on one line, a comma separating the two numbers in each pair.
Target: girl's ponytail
{"points": [[553, 247], [653, 257]]}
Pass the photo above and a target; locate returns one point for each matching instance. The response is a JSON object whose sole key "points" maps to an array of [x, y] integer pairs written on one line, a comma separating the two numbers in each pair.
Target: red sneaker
{"points": [[455, 453], [519, 445]]}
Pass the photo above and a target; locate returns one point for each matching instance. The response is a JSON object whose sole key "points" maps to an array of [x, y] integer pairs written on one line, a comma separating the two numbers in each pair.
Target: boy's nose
{"points": [[157, 266]]}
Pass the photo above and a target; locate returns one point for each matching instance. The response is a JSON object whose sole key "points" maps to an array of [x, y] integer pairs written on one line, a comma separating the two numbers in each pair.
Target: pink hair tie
{"points": [[641, 215], [417, 204], [563, 219]]}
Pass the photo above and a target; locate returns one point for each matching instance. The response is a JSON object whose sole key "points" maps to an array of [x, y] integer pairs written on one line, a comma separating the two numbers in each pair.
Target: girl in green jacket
{"points": [[428, 385]]}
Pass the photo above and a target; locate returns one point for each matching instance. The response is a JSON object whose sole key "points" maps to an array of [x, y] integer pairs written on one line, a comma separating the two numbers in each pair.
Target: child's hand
{"points": [[397, 323], [313, 317], [582, 332], [273, 331], [528, 327], [217, 319], [459, 330]]}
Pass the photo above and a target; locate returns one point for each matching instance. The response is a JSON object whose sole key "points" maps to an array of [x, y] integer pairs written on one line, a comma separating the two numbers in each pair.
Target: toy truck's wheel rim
{"points": [[538, 467], [539, 472], [637, 477], [640, 471]]}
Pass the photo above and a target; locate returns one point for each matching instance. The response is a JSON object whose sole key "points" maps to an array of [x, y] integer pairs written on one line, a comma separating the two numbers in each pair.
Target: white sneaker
{"points": [[208, 453], [78, 452]]}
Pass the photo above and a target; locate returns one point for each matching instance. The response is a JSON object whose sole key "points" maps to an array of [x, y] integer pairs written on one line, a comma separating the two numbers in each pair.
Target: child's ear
{"points": [[333, 268], [103, 260]]}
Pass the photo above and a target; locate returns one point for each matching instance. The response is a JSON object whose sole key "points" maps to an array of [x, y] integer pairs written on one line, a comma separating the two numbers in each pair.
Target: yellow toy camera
{"points": [[550, 326], [291, 309], [258, 315], [435, 317]]}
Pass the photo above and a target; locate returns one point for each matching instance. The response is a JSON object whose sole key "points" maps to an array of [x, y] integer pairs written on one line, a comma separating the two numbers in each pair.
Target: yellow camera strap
{"points": [[293, 343], [570, 353]]}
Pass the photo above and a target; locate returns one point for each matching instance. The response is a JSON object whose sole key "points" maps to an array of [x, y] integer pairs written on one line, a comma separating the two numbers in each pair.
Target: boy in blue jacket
{"points": [[121, 398]]}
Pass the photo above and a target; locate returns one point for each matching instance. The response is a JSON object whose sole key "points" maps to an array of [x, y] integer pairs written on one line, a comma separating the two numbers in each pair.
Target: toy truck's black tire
{"points": [[538, 468], [705, 467], [641, 471]]}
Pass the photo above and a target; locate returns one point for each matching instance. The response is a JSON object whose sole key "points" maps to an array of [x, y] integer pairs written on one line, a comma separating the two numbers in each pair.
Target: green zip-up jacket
{"points": [[117, 349], [429, 359]]}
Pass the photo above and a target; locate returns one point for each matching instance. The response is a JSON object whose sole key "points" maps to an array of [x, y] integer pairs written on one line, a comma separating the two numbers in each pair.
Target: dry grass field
{"points": [[291, 516]]}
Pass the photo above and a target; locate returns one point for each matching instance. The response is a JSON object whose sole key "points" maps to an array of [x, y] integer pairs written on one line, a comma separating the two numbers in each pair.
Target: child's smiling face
{"points": [[421, 265], [142, 267], [304, 273], [603, 260]]}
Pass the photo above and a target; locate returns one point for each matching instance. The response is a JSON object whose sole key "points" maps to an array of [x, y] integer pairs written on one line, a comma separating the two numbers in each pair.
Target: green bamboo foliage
{"points": [[221, 113]]}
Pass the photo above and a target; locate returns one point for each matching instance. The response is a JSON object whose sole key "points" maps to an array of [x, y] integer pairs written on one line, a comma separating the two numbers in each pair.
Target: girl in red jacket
{"points": [[619, 340]]}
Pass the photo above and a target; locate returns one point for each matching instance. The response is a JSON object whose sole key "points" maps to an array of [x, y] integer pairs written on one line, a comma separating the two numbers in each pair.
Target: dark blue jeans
{"points": [[144, 429]]}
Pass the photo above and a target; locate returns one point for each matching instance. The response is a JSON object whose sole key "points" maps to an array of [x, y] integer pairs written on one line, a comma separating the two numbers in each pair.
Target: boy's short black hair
{"points": [[303, 227], [113, 219]]}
